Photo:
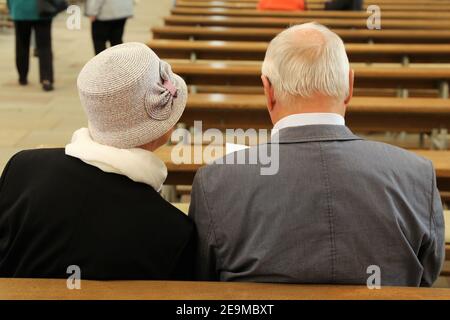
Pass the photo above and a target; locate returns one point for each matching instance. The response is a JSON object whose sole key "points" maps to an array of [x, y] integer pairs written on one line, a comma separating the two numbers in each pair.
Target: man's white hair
{"points": [[307, 59]]}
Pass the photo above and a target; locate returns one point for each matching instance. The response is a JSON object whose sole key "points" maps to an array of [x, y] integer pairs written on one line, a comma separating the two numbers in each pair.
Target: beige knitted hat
{"points": [[130, 96]]}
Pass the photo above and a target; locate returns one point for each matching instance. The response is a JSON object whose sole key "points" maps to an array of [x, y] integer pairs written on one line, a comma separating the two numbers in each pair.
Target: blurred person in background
{"points": [[27, 17], [288, 5], [108, 19], [344, 5]]}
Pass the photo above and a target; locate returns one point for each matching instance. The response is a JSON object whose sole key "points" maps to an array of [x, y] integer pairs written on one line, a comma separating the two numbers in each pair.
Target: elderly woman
{"points": [[96, 203]]}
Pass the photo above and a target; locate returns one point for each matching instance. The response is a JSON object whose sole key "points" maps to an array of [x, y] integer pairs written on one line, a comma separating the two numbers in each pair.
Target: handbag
{"points": [[50, 8]]}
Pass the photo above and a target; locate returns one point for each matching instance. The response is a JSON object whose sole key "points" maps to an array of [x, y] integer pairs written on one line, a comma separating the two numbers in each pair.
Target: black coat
{"points": [[57, 211]]}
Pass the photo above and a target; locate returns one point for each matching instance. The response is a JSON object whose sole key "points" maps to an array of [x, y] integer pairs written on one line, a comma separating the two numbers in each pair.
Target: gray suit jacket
{"points": [[337, 205]]}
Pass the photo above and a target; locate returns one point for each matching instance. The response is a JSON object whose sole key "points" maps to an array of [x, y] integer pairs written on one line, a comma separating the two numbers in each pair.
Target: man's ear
{"points": [[269, 93], [351, 81]]}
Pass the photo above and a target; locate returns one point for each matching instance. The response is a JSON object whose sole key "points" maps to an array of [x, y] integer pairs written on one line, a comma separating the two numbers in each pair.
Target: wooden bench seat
{"points": [[365, 114], [398, 15], [367, 2], [238, 75], [215, 4], [385, 7], [404, 3], [357, 52], [183, 174], [267, 34], [4, 18], [263, 22], [6, 24], [445, 195], [357, 92], [44, 289], [447, 246]]}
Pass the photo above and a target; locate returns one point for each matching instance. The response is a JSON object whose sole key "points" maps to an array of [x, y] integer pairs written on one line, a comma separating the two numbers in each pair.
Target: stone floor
{"points": [[30, 117]]}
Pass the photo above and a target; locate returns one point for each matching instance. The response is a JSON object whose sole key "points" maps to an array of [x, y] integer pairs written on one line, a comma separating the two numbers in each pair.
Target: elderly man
{"points": [[340, 209]]}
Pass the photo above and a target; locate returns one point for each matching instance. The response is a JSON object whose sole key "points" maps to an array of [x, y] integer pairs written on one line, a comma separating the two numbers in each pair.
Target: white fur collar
{"points": [[137, 164]]}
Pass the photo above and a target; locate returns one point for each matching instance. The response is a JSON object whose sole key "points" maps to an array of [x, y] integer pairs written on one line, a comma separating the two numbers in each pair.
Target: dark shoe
{"points": [[47, 86], [23, 82]]}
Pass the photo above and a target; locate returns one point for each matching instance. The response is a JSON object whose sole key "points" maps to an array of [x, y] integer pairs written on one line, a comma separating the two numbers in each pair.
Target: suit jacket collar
{"points": [[314, 133]]}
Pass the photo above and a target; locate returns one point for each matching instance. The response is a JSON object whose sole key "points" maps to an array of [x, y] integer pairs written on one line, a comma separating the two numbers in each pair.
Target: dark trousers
{"points": [[107, 31], [349, 5], [43, 32]]}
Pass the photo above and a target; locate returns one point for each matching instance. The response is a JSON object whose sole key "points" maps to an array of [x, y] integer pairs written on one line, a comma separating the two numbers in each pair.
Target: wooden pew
{"points": [[367, 2], [44, 289], [215, 4], [238, 76], [6, 24], [365, 114], [385, 7], [267, 34], [357, 52], [264, 22], [183, 174], [405, 4], [398, 15]]}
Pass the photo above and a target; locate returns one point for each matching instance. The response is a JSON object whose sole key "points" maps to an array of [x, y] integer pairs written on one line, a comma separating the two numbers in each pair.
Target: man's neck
{"points": [[308, 119], [318, 104]]}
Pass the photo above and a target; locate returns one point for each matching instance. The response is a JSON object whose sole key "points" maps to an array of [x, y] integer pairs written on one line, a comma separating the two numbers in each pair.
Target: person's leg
{"points": [[116, 31], [99, 35], [23, 34], [43, 30], [337, 5], [357, 5]]}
